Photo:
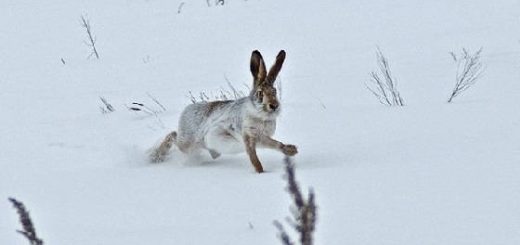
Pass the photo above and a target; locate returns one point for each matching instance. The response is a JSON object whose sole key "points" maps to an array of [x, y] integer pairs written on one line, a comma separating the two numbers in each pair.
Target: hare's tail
{"points": [[159, 154]]}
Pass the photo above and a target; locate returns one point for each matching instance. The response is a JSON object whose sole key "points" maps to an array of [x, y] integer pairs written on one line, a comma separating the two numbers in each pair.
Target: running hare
{"points": [[233, 126]]}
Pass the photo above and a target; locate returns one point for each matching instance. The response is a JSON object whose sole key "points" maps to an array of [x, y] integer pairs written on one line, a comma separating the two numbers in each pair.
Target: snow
{"points": [[426, 173]]}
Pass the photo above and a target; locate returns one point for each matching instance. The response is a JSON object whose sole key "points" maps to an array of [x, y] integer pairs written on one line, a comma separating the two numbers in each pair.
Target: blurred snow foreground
{"points": [[429, 172], [303, 211]]}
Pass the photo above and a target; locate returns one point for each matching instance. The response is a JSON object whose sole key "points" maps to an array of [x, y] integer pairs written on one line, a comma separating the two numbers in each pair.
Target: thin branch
{"points": [[303, 210], [236, 93], [179, 9], [25, 219], [382, 84], [156, 101], [282, 234], [108, 106], [469, 70], [85, 22], [222, 94]]}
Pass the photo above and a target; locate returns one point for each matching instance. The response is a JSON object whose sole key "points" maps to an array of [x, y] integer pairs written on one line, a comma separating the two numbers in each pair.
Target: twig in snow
{"points": [[107, 108], [469, 69], [222, 94], [85, 22], [384, 86], [179, 9], [303, 210], [25, 219], [156, 101], [150, 111]]}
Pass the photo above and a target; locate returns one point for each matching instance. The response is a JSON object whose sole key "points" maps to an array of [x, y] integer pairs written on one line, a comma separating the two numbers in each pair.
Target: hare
{"points": [[233, 126]]}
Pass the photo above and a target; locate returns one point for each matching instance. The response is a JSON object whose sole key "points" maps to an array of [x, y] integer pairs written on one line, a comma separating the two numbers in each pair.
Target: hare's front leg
{"points": [[288, 150], [250, 144]]}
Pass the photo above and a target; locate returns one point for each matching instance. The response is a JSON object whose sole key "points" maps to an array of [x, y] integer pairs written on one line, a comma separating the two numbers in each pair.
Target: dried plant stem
{"points": [[384, 86], [91, 39], [221, 95], [179, 9], [303, 210], [469, 69], [156, 101], [108, 107], [28, 228]]}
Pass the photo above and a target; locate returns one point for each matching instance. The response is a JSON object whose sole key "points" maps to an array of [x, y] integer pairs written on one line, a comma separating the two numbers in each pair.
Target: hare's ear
{"points": [[275, 69], [257, 68]]}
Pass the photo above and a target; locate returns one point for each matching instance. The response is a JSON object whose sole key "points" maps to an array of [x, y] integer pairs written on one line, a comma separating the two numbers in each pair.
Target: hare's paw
{"points": [[214, 154], [289, 150], [157, 156]]}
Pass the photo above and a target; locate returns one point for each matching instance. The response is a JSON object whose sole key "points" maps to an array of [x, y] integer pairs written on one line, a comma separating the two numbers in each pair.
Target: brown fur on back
{"points": [[213, 105]]}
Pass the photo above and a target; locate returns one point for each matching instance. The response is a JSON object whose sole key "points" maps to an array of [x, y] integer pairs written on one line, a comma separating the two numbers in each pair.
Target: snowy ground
{"points": [[427, 173]]}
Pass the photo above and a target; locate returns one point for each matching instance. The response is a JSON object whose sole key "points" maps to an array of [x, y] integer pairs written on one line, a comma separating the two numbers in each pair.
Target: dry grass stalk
{"points": [[303, 210], [469, 69], [384, 86], [222, 94], [107, 108], [91, 39], [28, 228]]}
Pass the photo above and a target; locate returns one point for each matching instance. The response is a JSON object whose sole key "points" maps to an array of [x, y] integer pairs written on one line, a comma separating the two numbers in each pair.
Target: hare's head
{"points": [[263, 93]]}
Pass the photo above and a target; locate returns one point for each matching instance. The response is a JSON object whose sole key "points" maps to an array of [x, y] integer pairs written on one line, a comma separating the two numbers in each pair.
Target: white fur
{"points": [[233, 126], [222, 130]]}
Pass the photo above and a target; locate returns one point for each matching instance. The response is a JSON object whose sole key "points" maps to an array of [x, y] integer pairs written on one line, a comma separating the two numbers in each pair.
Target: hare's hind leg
{"points": [[160, 153], [220, 140]]}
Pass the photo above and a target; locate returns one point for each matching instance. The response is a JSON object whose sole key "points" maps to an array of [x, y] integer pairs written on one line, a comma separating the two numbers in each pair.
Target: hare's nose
{"points": [[273, 106]]}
